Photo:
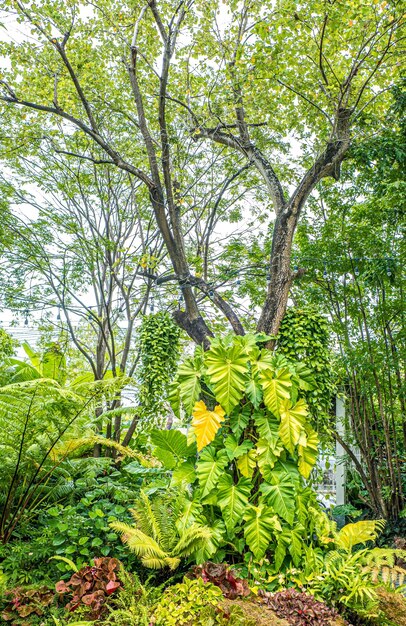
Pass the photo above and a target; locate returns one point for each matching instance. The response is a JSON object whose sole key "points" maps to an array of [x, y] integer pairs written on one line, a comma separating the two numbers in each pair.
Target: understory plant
{"points": [[165, 530], [24, 604], [90, 586], [300, 609], [189, 602], [250, 447]]}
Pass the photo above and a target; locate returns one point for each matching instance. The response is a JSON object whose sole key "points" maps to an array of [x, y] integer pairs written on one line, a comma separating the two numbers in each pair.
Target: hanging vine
{"points": [[159, 353], [304, 336]]}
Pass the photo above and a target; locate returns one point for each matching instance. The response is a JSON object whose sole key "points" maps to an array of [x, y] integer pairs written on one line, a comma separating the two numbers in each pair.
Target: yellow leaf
{"points": [[246, 463], [206, 423]]}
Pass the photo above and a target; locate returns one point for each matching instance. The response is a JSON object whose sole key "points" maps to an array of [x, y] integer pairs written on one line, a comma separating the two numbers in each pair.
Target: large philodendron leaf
{"points": [[206, 423], [188, 379], [268, 453], [227, 369], [280, 495], [233, 499], [267, 425], [276, 387], [247, 463], [172, 441], [234, 449], [209, 469], [308, 453], [293, 420], [260, 524], [185, 473]]}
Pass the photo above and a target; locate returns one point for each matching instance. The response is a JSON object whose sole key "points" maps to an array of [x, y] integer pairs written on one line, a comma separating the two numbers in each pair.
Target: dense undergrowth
{"points": [[229, 504]]}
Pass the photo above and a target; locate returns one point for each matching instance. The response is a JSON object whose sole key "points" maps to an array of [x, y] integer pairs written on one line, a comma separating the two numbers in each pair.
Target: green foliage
{"points": [[247, 479], [165, 530], [133, 604], [158, 344], [304, 336], [190, 602], [74, 522], [7, 344], [352, 247]]}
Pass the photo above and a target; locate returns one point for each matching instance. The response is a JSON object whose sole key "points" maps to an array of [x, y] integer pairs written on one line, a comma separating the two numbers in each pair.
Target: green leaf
{"points": [[233, 499], [189, 376], [293, 420], [254, 392], [276, 386], [287, 468], [227, 370], [280, 495], [172, 441], [247, 463], [235, 450], [267, 426], [184, 474], [209, 468], [239, 419], [258, 529], [267, 455]]}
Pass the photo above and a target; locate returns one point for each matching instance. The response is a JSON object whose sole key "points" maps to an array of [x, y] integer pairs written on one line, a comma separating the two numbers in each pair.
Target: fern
{"points": [[157, 537]]}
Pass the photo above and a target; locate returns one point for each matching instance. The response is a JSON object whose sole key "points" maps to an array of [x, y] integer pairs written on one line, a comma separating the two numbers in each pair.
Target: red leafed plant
{"points": [[25, 602], [299, 609], [222, 576], [92, 585]]}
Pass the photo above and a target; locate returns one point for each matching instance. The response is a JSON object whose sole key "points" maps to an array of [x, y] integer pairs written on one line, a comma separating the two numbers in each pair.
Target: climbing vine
{"points": [[159, 353], [304, 336]]}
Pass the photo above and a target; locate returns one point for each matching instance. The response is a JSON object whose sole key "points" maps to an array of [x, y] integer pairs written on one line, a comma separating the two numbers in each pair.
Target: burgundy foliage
{"points": [[26, 602], [220, 575], [91, 586], [299, 609]]}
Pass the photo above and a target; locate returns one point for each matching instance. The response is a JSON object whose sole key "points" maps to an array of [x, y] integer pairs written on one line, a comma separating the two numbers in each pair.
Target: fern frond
{"points": [[359, 532], [71, 446], [192, 539], [153, 562], [139, 543]]}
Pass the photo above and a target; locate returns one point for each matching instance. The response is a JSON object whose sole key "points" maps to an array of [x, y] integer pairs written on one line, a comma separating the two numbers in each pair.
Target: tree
{"points": [[308, 73], [353, 246]]}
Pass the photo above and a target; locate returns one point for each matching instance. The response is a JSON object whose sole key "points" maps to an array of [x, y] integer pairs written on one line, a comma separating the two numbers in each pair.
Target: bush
{"points": [[91, 586], [190, 602], [222, 576], [26, 603], [300, 609]]}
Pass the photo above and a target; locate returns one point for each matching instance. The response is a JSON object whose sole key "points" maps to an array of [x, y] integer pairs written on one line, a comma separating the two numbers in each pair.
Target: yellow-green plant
{"points": [[249, 449], [348, 577], [190, 602], [164, 531]]}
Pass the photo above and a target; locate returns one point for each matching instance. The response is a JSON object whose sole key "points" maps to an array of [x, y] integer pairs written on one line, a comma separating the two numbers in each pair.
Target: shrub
{"points": [[26, 603], [190, 602], [91, 586], [223, 577], [300, 609]]}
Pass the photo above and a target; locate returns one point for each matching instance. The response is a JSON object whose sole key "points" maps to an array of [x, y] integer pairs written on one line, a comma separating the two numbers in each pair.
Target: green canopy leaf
{"points": [[227, 369], [233, 499], [261, 522], [209, 468]]}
